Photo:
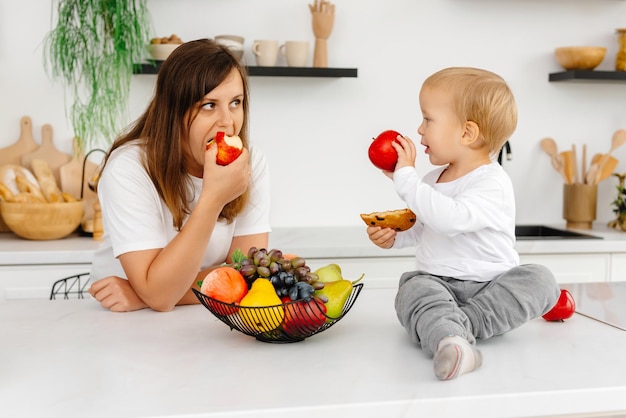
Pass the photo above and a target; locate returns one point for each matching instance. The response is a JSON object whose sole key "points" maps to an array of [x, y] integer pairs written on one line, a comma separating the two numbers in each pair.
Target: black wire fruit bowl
{"points": [[285, 323]]}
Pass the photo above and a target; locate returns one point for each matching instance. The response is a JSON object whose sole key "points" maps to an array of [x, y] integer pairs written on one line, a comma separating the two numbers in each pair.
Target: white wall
{"points": [[316, 131]]}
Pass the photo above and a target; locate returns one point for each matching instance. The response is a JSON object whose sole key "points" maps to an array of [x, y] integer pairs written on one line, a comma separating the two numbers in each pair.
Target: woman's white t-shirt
{"points": [[135, 218], [465, 228]]}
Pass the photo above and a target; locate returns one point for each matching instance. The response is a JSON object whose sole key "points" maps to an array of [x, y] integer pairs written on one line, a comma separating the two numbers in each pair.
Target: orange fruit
{"points": [[225, 284]]}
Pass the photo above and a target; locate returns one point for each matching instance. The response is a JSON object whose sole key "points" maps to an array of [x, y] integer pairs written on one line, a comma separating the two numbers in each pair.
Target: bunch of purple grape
{"points": [[290, 277]]}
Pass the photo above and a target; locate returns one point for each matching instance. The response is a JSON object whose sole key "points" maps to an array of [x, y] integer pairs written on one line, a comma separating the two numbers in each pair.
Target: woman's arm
{"points": [[162, 277], [118, 295]]}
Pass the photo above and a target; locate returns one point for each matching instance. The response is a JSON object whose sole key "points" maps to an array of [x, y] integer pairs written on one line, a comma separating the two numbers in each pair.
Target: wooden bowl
{"points": [[580, 57], [160, 52], [42, 221]]}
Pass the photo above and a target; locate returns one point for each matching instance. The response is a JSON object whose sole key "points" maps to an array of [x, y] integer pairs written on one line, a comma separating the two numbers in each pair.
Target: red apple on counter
{"points": [[303, 317], [228, 148], [564, 308], [381, 152]]}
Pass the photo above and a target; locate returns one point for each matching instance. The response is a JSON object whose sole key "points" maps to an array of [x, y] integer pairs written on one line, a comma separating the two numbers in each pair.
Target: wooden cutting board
{"points": [[47, 152], [24, 144]]}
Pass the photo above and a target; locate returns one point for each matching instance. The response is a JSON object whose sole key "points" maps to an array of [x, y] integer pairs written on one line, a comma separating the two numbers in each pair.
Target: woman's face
{"points": [[220, 110]]}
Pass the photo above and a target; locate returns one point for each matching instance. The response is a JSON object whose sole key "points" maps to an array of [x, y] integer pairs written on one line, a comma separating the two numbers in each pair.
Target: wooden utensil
{"points": [[47, 152], [548, 145], [25, 143], [607, 168], [584, 164], [575, 163], [619, 138], [569, 166]]}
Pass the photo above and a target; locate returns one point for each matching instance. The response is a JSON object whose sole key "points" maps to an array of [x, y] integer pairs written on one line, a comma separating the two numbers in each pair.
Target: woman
{"points": [[170, 213]]}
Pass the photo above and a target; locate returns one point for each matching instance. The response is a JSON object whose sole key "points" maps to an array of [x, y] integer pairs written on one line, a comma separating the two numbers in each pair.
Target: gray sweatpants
{"points": [[432, 307]]}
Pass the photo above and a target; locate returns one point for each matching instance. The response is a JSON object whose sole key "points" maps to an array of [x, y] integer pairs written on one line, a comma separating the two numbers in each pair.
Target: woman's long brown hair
{"points": [[191, 71]]}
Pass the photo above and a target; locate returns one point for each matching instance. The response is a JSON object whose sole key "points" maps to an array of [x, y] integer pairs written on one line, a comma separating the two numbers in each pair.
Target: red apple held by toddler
{"points": [[381, 152], [303, 317], [228, 148], [564, 308]]}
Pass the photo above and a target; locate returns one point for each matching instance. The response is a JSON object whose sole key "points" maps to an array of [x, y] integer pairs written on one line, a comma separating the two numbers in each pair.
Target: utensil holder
{"points": [[579, 205]]}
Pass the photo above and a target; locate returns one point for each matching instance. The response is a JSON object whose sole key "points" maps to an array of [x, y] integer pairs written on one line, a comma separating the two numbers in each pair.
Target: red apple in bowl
{"points": [[381, 152], [303, 317], [564, 308], [228, 148]]}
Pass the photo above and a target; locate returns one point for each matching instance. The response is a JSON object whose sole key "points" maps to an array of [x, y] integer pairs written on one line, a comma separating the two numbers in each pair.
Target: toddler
{"points": [[468, 283]]}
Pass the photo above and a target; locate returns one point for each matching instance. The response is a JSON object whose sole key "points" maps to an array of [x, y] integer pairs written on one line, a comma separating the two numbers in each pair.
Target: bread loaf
{"points": [[400, 219]]}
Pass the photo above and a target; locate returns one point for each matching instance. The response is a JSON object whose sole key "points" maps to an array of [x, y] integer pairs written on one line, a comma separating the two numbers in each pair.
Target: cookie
{"points": [[400, 219]]}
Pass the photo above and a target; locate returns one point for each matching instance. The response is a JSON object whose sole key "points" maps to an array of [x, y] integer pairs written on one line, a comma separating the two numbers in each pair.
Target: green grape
{"points": [[264, 262], [248, 270], [297, 262], [318, 285], [258, 256], [286, 264], [275, 255], [301, 274], [274, 267], [263, 271], [252, 251]]}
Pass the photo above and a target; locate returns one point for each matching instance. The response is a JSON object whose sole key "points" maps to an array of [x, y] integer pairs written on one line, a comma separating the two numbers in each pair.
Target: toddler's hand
{"points": [[405, 148], [382, 237]]}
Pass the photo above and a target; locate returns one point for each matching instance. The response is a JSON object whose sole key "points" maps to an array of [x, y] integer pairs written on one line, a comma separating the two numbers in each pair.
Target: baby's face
{"points": [[441, 129]]}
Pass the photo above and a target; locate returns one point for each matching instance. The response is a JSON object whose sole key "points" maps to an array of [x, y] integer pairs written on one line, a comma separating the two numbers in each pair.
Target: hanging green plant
{"points": [[92, 50]]}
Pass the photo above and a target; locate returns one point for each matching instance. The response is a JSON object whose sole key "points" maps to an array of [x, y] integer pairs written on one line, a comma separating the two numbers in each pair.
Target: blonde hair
{"points": [[482, 97]]}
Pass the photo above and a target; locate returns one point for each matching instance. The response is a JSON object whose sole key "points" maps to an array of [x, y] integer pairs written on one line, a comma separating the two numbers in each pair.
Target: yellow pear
{"points": [[336, 294], [329, 273], [260, 295]]}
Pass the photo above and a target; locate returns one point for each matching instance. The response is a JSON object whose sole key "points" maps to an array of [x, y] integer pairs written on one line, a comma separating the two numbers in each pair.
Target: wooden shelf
{"points": [[588, 75], [153, 68]]}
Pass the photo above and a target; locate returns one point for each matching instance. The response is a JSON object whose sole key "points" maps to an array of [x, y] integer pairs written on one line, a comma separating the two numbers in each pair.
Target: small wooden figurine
{"points": [[323, 18]]}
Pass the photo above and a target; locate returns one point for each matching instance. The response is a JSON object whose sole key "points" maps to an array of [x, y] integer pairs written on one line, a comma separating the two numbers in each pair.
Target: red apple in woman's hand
{"points": [[564, 308], [381, 152], [228, 148]]}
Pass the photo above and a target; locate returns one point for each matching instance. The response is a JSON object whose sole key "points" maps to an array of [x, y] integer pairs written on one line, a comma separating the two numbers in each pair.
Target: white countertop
{"points": [[74, 359], [320, 242]]}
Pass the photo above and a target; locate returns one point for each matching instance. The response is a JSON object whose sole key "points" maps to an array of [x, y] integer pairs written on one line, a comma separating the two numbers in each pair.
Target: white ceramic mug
{"points": [[296, 52], [266, 52], [233, 42]]}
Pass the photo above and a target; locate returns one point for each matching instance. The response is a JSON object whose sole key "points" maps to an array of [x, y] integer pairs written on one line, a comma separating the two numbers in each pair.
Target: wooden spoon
{"points": [[548, 145], [608, 168], [619, 138], [569, 166]]}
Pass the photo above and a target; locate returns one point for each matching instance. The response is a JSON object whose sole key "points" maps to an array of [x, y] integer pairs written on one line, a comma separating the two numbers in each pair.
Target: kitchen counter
{"points": [[74, 359], [321, 242]]}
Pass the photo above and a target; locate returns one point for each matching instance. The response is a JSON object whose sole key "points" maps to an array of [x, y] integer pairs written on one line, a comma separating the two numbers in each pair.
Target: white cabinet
{"points": [[574, 268], [34, 282], [618, 267]]}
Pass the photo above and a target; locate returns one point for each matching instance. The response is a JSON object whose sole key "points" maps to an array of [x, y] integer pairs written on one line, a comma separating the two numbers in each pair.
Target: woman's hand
{"points": [[225, 183], [116, 294], [382, 237]]}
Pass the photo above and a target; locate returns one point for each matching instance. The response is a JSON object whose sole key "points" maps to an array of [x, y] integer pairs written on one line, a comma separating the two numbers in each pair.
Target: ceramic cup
{"points": [[579, 205], [296, 53], [266, 52], [233, 42]]}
